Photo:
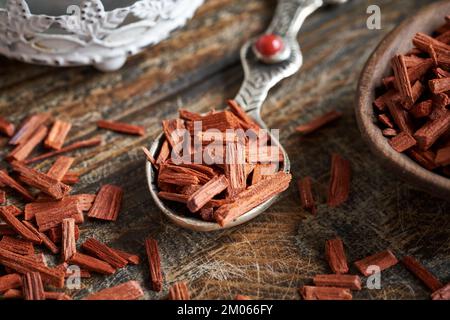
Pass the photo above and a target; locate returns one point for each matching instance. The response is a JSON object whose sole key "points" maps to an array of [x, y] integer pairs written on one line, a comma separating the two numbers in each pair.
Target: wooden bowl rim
{"points": [[408, 169]]}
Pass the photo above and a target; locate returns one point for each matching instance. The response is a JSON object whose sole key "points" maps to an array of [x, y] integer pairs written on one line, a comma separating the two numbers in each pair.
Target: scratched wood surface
{"points": [[198, 68]]}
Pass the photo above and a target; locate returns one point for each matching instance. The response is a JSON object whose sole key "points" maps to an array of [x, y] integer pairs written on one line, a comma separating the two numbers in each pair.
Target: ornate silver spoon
{"points": [[266, 61]]}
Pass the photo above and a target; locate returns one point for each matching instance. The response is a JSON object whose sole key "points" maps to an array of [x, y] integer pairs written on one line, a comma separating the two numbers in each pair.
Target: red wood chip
{"points": [[325, 293], [25, 264], [69, 247], [18, 226], [55, 234], [91, 264], [74, 146], [319, 122], [252, 197], [423, 274], [241, 297], [18, 246], [33, 289], [382, 260], [306, 195], [84, 202], [248, 122], [103, 252], [130, 290], [45, 240], [10, 281], [339, 187], [23, 150], [28, 128], [6, 127], [205, 193], [43, 182], [6, 180], [154, 261], [71, 178], [335, 254], [60, 167], [107, 203], [422, 109], [439, 85], [53, 216], [57, 134], [131, 258], [338, 280], [179, 291], [402, 81], [121, 127], [402, 142], [442, 294]]}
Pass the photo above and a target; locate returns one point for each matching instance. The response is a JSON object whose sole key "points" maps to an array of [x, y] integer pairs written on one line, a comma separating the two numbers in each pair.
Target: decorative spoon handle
{"points": [[260, 77]]}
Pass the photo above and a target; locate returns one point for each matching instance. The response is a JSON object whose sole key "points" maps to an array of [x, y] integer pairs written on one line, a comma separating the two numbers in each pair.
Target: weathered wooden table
{"points": [[198, 68]]}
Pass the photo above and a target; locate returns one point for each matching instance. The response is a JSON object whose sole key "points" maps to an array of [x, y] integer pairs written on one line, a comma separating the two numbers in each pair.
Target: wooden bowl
{"points": [[398, 41]]}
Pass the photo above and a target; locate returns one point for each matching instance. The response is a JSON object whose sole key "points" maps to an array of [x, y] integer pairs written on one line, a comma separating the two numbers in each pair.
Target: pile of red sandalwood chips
{"points": [[220, 165], [413, 107]]}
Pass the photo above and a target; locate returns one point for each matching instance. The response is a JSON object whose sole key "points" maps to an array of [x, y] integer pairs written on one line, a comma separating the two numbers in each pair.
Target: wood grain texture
{"points": [[198, 68]]}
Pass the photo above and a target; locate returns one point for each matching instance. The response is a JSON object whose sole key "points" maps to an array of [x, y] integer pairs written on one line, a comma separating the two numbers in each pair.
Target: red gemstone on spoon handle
{"points": [[269, 44]]}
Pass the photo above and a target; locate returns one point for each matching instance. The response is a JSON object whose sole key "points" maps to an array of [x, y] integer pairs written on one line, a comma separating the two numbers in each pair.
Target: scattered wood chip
{"points": [[69, 247], [335, 254], [57, 135], [6, 180], [107, 203], [25, 264], [325, 293], [306, 195], [18, 226], [442, 294], [338, 280], [319, 122], [53, 216], [33, 289], [381, 260], [29, 127], [205, 193], [422, 273], [154, 262], [6, 127], [179, 291], [130, 290], [23, 150], [121, 127], [19, 246], [91, 264], [74, 146], [131, 258], [41, 181], [45, 240], [339, 187], [103, 252], [71, 178], [10, 281]]}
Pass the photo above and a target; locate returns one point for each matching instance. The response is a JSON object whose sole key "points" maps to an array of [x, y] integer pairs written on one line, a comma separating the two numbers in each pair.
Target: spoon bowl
{"points": [[177, 213], [378, 66]]}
